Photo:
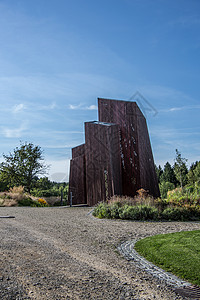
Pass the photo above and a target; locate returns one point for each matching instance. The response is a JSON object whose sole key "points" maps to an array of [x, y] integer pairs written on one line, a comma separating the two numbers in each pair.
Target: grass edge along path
{"points": [[177, 253]]}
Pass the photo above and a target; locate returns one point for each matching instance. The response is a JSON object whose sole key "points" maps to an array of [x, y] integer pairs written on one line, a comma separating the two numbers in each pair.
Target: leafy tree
{"points": [[165, 186], [191, 174], [22, 166], [168, 174], [197, 172], [44, 183], [180, 169], [159, 172], [3, 182]]}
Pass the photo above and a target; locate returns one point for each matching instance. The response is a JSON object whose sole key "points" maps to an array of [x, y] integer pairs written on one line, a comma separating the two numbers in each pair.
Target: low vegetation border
{"points": [[145, 213]]}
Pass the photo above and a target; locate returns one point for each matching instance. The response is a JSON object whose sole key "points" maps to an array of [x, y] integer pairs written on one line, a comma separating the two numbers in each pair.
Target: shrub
{"points": [[129, 212], [29, 202], [180, 205], [114, 210], [45, 193], [165, 187], [141, 212], [102, 211], [181, 214], [160, 204], [172, 214]]}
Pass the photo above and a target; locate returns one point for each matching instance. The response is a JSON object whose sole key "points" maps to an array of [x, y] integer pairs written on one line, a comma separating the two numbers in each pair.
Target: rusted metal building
{"points": [[138, 170], [116, 157], [77, 176], [103, 166]]}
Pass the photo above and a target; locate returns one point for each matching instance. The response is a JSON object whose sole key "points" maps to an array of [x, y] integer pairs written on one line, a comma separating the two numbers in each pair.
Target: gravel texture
{"points": [[65, 253]]}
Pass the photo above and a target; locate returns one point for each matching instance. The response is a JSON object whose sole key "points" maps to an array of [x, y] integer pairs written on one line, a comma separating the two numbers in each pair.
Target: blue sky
{"points": [[58, 56]]}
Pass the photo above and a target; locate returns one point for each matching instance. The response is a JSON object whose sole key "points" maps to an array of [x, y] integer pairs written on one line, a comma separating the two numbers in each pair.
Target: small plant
{"points": [[142, 193], [141, 212], [29, 202], [42, 202], [102, 211], [17, 190]]}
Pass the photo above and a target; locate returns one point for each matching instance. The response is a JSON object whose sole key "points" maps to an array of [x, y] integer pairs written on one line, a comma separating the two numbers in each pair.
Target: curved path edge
{"points": [[128, 251]]}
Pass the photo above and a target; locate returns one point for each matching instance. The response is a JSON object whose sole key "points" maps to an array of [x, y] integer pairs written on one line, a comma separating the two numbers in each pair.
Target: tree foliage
{"points": [[159, 173], [180, 168], [22, 166], [168, 174], [165, 186], [179, 175]]}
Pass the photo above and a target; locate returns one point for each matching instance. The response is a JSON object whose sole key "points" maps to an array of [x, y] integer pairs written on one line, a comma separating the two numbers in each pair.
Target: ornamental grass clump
{"points": [[17, 197]]}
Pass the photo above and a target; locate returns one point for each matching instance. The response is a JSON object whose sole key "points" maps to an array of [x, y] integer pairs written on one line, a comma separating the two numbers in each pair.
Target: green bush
{"points": [[126, 212], [165, 187], [115, 210], [29, 202], [181, 214], [140, 212], [179, 206], [45, 193], [171, 214], [145, 213], [187, 195], [102, 211]]}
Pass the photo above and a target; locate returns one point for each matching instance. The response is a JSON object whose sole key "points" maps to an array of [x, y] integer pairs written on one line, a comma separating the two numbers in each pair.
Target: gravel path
{"points": [[64, 253]]}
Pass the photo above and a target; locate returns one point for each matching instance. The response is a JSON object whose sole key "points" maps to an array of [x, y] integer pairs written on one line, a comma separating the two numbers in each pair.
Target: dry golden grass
{"points": [[17, 190], [141, 199], [9, 202], [13, 196]]}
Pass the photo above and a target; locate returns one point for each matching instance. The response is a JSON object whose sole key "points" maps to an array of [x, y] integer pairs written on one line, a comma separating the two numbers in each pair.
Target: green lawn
{"points": [[178, 253]]}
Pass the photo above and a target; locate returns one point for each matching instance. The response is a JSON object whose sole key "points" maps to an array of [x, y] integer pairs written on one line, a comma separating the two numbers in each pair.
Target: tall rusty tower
{"points": [[138, 170], [116, 158]]}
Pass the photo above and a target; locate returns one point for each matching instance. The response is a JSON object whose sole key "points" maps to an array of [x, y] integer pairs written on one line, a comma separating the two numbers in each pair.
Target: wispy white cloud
{"points": [[82, 107], [181, 108], [18, 108], [71, 106], [91, 107], [14, 132]]}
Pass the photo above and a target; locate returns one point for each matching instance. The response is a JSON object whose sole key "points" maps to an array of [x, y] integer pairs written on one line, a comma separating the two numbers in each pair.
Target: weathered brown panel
{"points": [[79, 150], [148, 175], [77, 176], [103, 168], [138, 169]]}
